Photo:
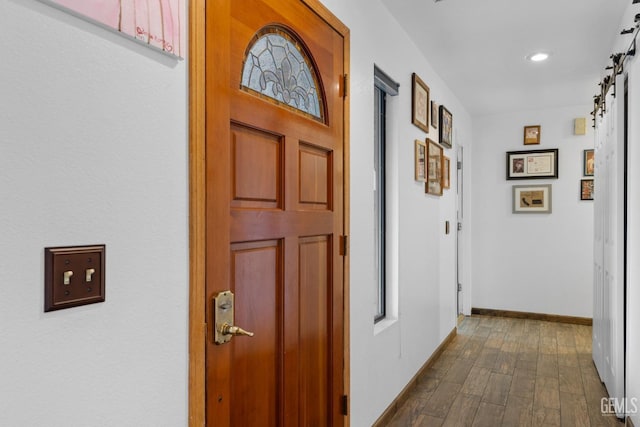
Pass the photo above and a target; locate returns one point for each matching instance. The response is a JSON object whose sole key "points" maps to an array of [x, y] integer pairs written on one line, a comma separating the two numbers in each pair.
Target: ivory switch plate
{"points": [[73, 276]]}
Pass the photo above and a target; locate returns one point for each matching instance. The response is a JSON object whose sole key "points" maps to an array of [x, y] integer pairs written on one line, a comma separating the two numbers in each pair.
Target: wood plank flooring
{"points": [[512, 373]]}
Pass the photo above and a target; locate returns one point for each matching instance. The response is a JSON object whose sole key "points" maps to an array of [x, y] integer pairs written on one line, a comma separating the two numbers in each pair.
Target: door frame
{"points": [[460, 228], [197, 207]]}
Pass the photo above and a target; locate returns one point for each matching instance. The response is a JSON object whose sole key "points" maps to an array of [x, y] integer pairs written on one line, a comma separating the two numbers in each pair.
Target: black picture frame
{"points": [[532, 164], [445, 127], [588, 162], [586, 189]]}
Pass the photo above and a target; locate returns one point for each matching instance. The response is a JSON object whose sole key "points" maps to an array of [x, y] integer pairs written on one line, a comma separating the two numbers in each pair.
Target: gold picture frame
{"points": [[434, 114], [420, 161], [532, 135], [419, 103], [435, 153], [446, 173]]}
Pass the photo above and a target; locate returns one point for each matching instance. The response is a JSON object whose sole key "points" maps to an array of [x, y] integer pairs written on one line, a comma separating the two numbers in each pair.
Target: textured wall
{"points": [[93, 149]]}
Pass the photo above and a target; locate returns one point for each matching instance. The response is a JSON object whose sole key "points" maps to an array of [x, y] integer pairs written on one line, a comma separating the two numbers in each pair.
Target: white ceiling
{"points": [[479, 47]]}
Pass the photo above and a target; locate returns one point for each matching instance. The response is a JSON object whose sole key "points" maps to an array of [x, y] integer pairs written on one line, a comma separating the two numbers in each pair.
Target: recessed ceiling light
{"points": [[538, 56]]}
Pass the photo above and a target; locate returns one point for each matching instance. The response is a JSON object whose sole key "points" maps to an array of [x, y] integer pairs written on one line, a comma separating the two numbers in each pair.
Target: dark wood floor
{"points": [[510, 372]]}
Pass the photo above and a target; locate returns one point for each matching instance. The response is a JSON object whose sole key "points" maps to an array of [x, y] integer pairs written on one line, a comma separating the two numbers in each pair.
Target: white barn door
{"points": [[608, 297]]}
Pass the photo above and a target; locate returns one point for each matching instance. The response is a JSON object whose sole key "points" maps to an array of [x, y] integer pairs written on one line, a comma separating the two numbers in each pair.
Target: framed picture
{"points": [[586, 189], [420, 103], [588, 162], [434, 115], [446, 172], [531, 199], [159, 24], [421, 156], [434, 168], [446, 127], [533, 164], [532, 135]]}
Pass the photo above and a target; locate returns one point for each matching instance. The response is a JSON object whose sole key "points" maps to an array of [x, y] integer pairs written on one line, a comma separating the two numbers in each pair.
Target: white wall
{"points": [[93, 149], [540, 263], [383, 359]]}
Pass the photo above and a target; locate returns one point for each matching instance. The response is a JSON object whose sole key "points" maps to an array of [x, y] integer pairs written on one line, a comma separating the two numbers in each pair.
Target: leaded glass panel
{"points": [[277, 66]]}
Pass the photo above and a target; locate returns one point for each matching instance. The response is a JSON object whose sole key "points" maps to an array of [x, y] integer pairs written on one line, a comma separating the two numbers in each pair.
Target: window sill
{"points": [[383, 325]]}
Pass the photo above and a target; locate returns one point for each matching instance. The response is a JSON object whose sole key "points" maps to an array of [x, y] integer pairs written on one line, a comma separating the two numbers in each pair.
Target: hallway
{"points": [[510, 372]]}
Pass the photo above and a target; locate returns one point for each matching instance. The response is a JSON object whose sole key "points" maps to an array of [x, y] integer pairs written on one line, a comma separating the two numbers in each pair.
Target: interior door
{"points": [[609, 219], [275, 220], [460, 230]]}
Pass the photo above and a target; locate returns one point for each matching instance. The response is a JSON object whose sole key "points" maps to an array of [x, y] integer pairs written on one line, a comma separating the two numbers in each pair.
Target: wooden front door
{"points": [[275, 213]]}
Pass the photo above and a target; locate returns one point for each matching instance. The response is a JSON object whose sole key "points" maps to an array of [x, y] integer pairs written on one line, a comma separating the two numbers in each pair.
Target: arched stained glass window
{"points": [[277, 65]]}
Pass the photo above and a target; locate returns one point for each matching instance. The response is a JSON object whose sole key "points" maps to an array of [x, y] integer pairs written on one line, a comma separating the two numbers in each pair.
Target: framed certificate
{"points": [[533, 164]]}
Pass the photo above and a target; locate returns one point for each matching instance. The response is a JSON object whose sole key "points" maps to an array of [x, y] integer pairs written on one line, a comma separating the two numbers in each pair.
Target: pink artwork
{"points": [[159, 23]]}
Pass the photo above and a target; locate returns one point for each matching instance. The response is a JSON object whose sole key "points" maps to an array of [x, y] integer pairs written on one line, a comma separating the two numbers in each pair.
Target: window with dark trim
{"points": [[384, 87]]}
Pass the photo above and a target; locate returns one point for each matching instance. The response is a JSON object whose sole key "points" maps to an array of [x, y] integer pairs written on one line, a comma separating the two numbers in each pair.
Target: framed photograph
{"points": [[434, 168], [532, 135], [446, 172], [434, 115], [420, 103], [533, 164], [586, 189], [588, 162], [532, 199], [421, 156], [446, 127]]}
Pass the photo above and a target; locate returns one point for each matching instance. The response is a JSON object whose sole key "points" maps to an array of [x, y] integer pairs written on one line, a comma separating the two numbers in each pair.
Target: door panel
{"points": [[315, 325], [257, 308], [256, 168], [275, 197], [315, 177]]}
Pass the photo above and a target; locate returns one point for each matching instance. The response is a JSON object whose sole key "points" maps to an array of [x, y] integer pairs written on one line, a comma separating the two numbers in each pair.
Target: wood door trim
{"points": [[197, 204], [328, 16], [197, 214], [346, 158]]}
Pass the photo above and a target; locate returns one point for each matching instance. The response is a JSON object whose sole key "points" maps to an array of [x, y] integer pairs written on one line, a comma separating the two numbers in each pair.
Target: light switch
{"points": [[66, 277], [73, 276]]}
